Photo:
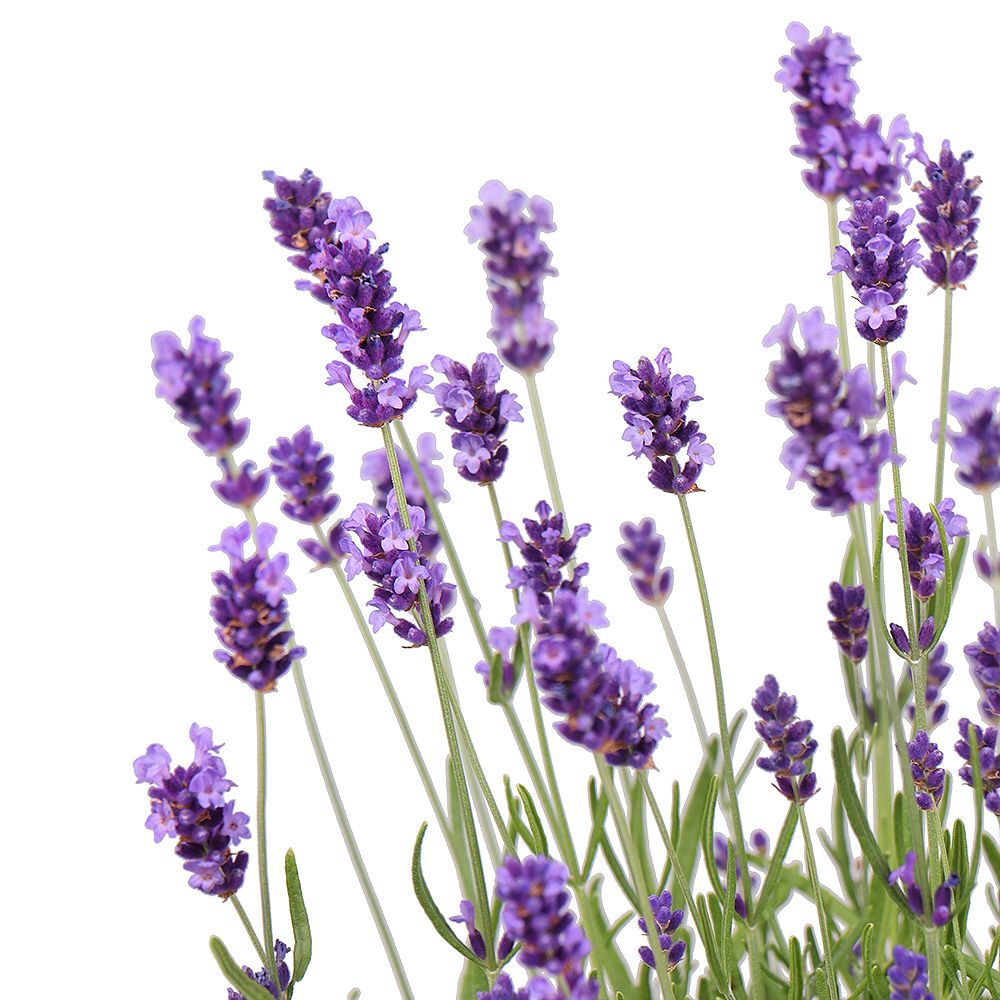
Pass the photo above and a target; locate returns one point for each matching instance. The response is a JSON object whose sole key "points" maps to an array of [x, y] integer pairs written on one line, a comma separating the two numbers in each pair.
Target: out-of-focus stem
{"points": [[265, 889], [685, 677], [248, 927], [839, 307], [543, 444], [991, 537], [949, 293]]}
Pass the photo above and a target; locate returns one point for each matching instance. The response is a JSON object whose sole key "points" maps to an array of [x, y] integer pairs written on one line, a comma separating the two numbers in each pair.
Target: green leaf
{"points": [[598, 815], [707, 831], [354, 994], [300, 919], [472, 981], [434, 915], [235, 975], [992, 853], [686, 825], [639, 837], [726, 926], [855, 811], [513, 808], [537, 830], [777, 863], [795, 975], [974, 969]]}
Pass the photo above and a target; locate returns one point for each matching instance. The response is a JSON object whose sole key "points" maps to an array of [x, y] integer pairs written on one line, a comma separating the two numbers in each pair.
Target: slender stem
{"points": [[544, 446], [682, 670], [824, 924], [316, 738], [991, 536], [495, 504], [265, 890], [839, 307], [248, 926], [945, 379]]}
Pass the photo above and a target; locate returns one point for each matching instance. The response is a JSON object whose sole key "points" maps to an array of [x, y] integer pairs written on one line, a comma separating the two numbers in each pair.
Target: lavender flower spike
{"points": [[788, 738], [983, 657], [302, 470], [642, 554], [478, 413], [189, 804], [925, 557], [849, 623], [508, 227], [667, 922], [925, 766], [263, 978], [989, 762], [908, 975], [975, 448]]}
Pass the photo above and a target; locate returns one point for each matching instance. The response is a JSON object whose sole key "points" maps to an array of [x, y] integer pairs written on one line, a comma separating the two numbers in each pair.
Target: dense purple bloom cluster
{"points": [[478, 413], [788, 738], [849, 622], [508, 227], [300, 215], [983, 656], [847, 157], [989, 762], [831, 449], [642, 554], [302, 469], [924, 555], [657, 425], [925, 766], [938, 672], [975, 449], [948, 205], [189, 804], [599, 695], [250, 610], [877, 265], [906, 877], [666, 921], [908, 975], [376, 404], [263, 978], [381, 550]]}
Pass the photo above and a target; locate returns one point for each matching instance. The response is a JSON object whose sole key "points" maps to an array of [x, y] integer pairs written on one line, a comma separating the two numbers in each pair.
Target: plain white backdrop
{"points": [[135, 137]]}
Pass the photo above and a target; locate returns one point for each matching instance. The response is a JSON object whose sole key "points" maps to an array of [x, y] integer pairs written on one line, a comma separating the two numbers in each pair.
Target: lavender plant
{"points": [[705, 905]]}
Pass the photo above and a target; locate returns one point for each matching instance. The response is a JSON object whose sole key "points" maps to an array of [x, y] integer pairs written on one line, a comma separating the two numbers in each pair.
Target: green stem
{"points": [[824, 924], [316, 738], [265, 890], [839, 307], [543, 444], [498, 517], [991, 536], [945, 380], [685, 677], [248, 926]]}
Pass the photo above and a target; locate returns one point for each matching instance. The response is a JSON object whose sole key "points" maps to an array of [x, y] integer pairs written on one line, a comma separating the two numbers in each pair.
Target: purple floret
{"points": [[789, 740], [975, 448], [667, 921], [908, 975], [263, 978], [924, 555], [989, 762], [642, 554], [302, 469], [925, 767], [849, 622]]}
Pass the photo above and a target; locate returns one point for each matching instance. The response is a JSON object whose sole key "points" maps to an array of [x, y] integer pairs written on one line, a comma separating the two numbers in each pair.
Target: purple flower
{"points": [[948, 205], [188, 804], [504, 642], [656, 422], [263, 978], [467, 916], [989, 762], [642, 554], [831, 449], [908, 975], [905, 875], [503, 989], [849, 623], [250, 610], [478, 412], [194, 382], [666, 921], [302, 470], [975, 449], [375, 405], [243, 489], [924, 554], [788, 738], [938, 672], [299, 216], [925, 766], [508, 225], [983, 656]]}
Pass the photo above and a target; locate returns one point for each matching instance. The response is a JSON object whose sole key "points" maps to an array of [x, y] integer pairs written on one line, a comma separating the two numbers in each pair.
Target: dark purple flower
{"points": [[948, 205], [302, 470], [242, 489], [925, 766], [760, 842], [194, 382], [908, 975], [189, 804], [504, 642], [831, 448], [374, 405], [849, 623], [720, 852], [656, 422], [938, 672], [666, 922], [924, 555], [905, 875], [508, 225], [478, 413], [503, 989], [299, 214], [381, 550], [989, 762], [877, 265], [983, 656], [250, 610], [642, 554], [975, 449], [788, 738], [263, 977], [467, 916], [330, 550]]}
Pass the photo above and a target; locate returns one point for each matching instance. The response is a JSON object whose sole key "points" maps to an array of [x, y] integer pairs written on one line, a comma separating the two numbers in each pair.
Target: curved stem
{"points": [[543, 444], [824, 924], [388, 943], [248, 927], [839, 307], [265, 890], [949, 293], [498, 517], [682, 670], [991, 537]]}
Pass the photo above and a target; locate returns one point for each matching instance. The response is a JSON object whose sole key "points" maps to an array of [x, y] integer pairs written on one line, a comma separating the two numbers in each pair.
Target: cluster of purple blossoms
{"points": [[849, 622], [975, 449], [302, 469], [877, 265], [938, 672], [504, 642], [948, 205], [905, 875], [189, 804], [667, 922], [642, 554], [508, 227], [924, 555], [478, 413], [983, 656], [925, 766], [788, 738], [381, 549], [760, 843], [536, 915], [263, 978], [989, 762], [250, 608], [847, 157], [376, 404], [599, 695], [830, 449], [300, 215], [657, 425], [908, 975]]}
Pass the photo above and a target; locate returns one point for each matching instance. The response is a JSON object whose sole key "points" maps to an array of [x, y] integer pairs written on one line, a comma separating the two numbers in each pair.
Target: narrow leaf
{"points": [[537, 830], [235, 975], [777, 863], [300, 919]]}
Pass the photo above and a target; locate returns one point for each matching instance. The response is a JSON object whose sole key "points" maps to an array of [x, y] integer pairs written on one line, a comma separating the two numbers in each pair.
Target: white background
{"points": [[135, 135]]}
